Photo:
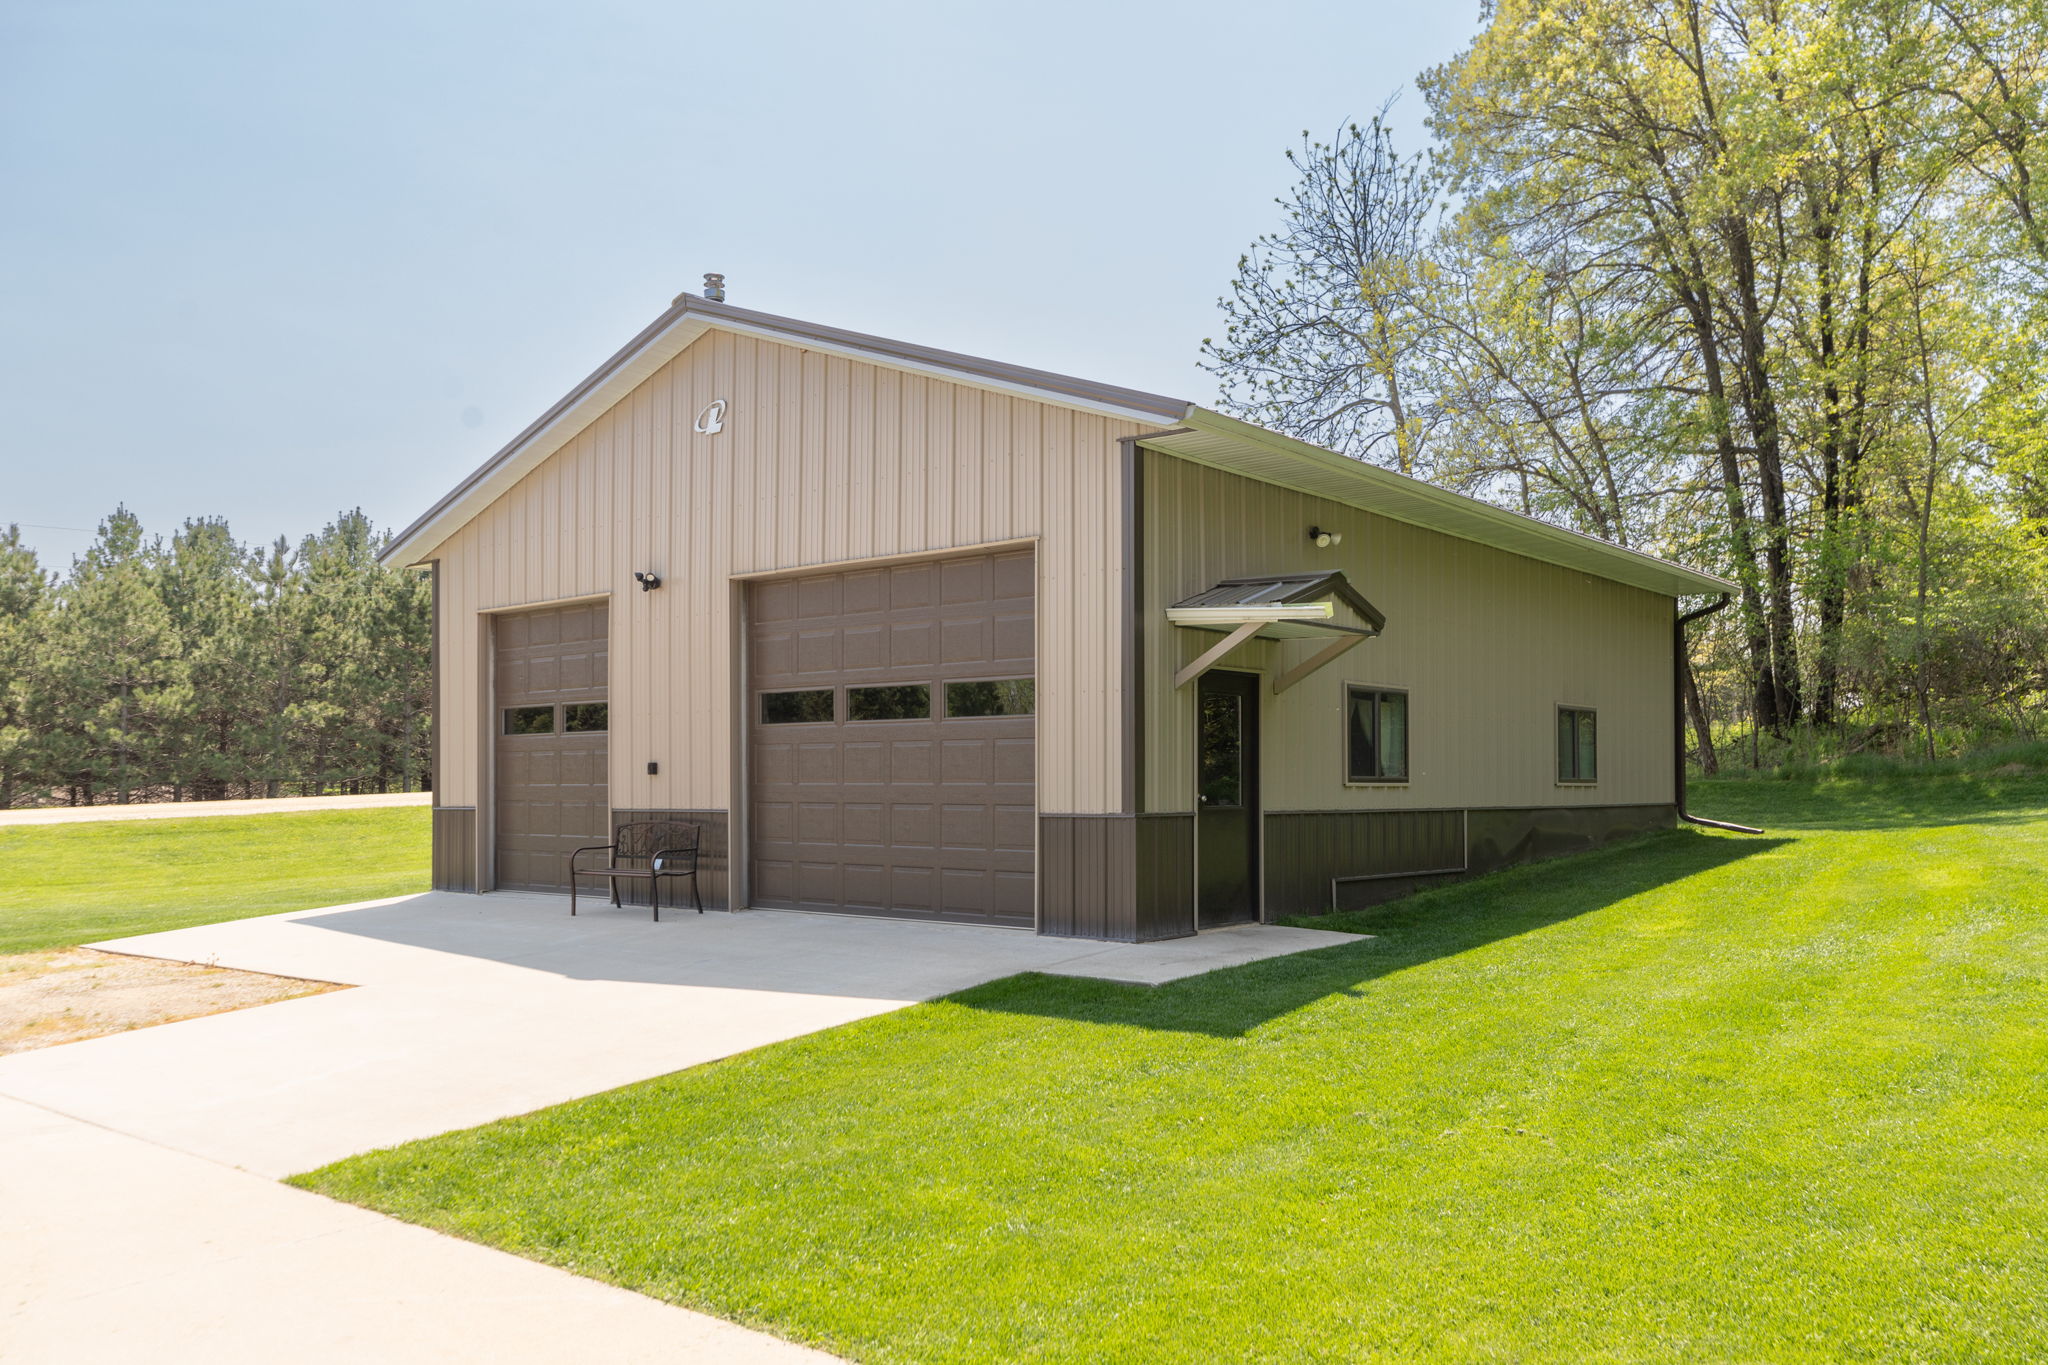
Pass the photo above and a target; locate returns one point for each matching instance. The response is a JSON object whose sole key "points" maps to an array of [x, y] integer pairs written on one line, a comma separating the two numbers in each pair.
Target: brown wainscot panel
{"points": [[454, 861], [712, 862], [1123, 878], [1166, 875], [1306, 850], [1317, 861]]}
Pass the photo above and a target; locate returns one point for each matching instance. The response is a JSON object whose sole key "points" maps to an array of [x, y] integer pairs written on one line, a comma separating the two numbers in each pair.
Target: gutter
{"points": [[1678, 654]]}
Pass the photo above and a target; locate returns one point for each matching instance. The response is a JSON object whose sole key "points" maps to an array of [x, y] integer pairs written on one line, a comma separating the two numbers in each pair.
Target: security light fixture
{"points": [[1325, 539], [648, 581]]}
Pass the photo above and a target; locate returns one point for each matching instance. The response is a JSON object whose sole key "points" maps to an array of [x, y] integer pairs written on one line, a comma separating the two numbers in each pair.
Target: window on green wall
{"points": [[1375, 734], [1578, 745]]}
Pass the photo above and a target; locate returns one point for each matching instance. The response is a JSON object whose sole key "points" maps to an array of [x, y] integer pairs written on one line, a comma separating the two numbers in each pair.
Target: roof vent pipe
{"points": [[714, 287]]}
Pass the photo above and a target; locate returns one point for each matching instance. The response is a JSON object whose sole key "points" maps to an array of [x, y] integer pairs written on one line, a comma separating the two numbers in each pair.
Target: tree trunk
{"points": [[1756, 636], [1762, 408]]}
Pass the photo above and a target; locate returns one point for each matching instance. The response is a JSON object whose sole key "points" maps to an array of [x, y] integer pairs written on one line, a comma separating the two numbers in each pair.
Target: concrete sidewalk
{"points": [[187, 810], [115, 1250], [132, 1167]]}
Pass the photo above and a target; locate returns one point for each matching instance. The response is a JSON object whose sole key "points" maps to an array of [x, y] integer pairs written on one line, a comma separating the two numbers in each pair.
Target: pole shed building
{"points": [[915, 634]]}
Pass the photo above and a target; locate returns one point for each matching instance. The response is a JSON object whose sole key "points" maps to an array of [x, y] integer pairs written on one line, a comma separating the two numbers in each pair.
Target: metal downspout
{"points": [[1678, 654]]}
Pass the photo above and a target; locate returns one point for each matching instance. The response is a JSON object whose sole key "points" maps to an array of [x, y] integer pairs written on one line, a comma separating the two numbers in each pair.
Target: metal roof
{"points": [[1279, 590]]}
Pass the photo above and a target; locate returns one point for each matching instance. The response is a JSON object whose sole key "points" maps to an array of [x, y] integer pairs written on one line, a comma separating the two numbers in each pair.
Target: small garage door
{"points": [[551, 745], [893, 740]]}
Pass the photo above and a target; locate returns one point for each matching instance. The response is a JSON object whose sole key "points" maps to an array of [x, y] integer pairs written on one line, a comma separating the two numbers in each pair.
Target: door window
{"points": [[1221, 780]]}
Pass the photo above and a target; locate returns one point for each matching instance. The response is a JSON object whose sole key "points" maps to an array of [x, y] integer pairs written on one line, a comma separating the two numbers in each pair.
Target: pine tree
{"points": [[24, 620], [210, 593], [119, 686]]}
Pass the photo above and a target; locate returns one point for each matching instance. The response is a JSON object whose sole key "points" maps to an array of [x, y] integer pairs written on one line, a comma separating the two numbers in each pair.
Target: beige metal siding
{"points": [[1486, 643], [821, 460]]}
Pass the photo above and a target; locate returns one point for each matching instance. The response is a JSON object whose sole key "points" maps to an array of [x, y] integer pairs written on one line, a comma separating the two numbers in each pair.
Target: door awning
{"points": [[1304, 606]]}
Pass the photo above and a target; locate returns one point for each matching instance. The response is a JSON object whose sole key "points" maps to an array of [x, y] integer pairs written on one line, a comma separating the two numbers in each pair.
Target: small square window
{"points": [[1375, 734], [585, 716], [898, 701], [1578, 745], [529, 720], [812, 706], [1003, 697]]}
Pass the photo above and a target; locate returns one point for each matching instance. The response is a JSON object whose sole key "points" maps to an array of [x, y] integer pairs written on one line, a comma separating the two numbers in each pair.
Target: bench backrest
{"points": [[640, 840]]}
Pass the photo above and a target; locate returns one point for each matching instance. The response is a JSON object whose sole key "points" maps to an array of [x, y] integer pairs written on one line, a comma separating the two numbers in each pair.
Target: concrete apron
{"points": [[127, 1233], [471, 1008]]}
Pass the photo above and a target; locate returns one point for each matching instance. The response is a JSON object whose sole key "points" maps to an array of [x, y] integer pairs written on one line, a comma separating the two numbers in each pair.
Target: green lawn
{"points": [[1699, 1098], [67, 884]]}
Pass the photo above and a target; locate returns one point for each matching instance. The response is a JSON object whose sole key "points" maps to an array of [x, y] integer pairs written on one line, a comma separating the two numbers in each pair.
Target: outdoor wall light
{"points": [[648, 581], [1325, 539]]}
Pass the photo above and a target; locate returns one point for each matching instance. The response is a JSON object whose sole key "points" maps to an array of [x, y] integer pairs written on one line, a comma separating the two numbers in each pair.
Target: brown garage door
{"points": [[551, 727], [892, 742]]}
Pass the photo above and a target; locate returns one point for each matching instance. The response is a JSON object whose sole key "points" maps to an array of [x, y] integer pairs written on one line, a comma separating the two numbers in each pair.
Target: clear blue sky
{"points": [[270, 261]]}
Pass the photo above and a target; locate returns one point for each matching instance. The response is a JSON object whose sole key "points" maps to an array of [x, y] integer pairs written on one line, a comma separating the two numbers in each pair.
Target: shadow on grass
{"points": [[1404, 933]]}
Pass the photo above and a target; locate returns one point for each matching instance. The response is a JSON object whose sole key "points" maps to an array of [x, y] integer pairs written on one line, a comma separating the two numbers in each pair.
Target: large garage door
{"points": [[892, 740], [551, 727]]}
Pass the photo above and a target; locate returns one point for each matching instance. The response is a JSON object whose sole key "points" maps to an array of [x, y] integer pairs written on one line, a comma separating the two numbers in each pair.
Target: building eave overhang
{"points": [[689, 318], [1226, 443]]}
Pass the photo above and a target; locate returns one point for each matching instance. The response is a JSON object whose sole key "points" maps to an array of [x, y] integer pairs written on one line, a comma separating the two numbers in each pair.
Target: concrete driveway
{"points": [[134, 1205]]}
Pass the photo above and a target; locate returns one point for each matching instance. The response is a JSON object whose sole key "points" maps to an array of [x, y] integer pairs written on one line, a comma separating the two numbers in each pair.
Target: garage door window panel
{"points": [[529, 720], [993, 697], [896, 701], [812, 706]]}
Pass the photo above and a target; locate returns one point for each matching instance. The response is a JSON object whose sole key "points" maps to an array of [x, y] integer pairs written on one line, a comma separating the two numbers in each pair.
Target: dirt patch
{"points": [[74, 993]]}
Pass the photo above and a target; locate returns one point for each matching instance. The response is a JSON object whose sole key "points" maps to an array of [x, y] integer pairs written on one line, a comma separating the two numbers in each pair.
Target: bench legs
{"points": [[653, 893]]}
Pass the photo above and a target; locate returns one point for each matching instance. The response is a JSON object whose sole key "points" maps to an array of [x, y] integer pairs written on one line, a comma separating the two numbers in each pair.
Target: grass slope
{"points": [[1702, 1097], [67, 884]]}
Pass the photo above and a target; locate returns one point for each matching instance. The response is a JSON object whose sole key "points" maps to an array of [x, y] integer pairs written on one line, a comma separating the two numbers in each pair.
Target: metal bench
{"points": [[644, 850]]}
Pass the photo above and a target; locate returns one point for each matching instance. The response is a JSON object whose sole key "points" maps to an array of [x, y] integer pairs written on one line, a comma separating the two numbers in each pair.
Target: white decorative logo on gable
{"points": [[711, 421]]}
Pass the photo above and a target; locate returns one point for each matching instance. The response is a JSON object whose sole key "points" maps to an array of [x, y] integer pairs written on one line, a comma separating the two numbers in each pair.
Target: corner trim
{"points": [[434, 676]]}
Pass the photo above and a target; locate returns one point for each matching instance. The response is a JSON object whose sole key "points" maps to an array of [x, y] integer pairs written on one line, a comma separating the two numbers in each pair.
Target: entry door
{"points": [[551, 728], [1227, 798]]}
